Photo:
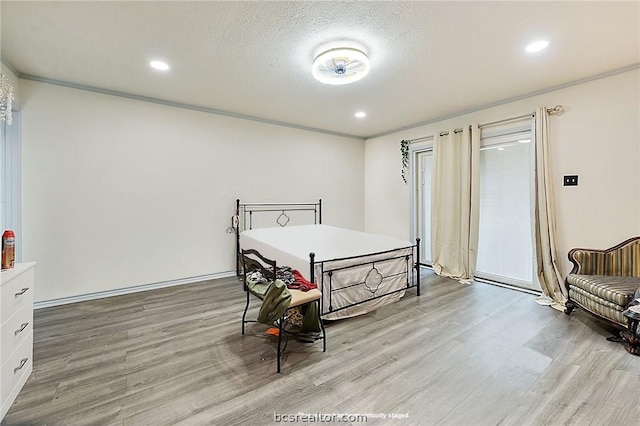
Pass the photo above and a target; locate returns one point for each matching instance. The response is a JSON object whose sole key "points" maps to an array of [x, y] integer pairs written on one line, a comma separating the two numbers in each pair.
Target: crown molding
{"points": [[183, 105], [10, 66], [509, 100]]}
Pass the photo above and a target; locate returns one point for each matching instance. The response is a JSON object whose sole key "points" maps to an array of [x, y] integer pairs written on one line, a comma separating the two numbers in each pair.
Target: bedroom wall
{"points": [[597, 138], [120, 192]]}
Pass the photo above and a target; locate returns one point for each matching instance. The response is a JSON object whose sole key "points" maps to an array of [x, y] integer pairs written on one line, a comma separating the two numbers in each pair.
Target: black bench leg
{"points": [[244, 315], [324, 333], [280, 331]]}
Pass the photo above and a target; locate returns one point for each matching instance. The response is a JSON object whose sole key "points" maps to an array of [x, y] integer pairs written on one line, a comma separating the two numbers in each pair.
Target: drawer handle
{"points": [[21, 292], [22, 327], [23, 361]]}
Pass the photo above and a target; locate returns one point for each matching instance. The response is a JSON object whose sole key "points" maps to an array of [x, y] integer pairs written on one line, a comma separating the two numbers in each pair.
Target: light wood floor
{"points": [[457, 355]]}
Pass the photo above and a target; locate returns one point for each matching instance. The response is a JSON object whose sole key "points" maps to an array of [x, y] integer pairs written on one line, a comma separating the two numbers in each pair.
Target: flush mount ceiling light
{"points": [[340, 66], [537, 46], [360, 114], [159, 65]]}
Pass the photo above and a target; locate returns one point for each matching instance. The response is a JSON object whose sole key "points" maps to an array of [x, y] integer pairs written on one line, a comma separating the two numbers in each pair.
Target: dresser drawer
{"points": [[15, 294], [15, 373], [14, 331]]}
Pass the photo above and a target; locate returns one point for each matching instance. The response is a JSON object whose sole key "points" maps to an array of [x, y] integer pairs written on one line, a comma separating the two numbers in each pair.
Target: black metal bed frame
{"points": [[412, 262], [327, 275], [244, 209]]}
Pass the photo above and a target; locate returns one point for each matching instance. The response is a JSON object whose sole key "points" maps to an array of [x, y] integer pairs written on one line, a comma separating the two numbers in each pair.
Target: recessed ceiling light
{"points": [[340, 66], [537, 46], [159, 65], [500, 149], [360, 114], [524, 140]]}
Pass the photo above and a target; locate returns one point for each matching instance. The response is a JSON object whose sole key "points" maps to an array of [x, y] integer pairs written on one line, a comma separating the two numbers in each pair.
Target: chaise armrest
{"points": [[621, 260]]}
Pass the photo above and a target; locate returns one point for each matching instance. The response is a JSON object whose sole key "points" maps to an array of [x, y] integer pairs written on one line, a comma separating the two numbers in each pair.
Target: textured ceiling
{"points": [[428, 59]]}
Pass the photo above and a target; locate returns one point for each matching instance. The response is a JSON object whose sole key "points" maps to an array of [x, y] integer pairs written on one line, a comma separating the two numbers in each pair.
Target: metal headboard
{"points": [[243, 218]]}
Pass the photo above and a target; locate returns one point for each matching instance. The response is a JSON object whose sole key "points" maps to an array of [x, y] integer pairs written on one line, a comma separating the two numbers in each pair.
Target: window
{"points": [[10, 189]]}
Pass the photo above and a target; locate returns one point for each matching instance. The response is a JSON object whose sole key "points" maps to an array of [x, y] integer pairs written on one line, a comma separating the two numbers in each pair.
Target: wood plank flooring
{"points": [[457, 355]]}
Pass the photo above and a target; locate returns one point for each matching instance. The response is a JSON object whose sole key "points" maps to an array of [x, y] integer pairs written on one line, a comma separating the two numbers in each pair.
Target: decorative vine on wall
{"points": [[404, 150]]}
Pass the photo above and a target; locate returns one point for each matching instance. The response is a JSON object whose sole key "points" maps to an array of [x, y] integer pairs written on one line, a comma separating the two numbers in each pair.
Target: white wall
{"points": [[597, 138], [119, 192]]}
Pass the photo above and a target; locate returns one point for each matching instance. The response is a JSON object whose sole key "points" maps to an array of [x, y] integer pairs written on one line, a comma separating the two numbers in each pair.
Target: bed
{"points": [[357, 272]]}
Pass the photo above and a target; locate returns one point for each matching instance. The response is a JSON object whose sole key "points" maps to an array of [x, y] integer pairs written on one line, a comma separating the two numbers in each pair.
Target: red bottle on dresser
{"points": [[8, 249]]}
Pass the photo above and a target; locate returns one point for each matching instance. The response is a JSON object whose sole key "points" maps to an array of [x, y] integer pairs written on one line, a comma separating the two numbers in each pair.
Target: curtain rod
{"points": [[423, 138], [454, 131], [556, 110], [506, 120]]}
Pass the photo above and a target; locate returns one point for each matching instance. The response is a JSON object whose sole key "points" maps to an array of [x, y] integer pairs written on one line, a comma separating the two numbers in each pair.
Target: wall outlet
{"points": [[571, 180]]}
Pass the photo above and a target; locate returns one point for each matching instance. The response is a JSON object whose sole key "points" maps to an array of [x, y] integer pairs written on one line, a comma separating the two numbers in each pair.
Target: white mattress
{"points": [[291, 246], [327, 242]]}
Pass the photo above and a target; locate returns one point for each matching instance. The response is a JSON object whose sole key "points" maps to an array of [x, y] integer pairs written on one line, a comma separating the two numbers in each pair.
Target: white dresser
{"points": [[16, 331]]}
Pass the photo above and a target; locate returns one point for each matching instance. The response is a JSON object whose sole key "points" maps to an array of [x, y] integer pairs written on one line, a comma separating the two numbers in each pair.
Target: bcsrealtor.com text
{"points": [[334, 417]]}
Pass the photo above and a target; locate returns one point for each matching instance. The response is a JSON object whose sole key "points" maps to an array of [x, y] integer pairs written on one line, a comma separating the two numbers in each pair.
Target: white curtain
{"points": [[554, 293], [455, 203]]}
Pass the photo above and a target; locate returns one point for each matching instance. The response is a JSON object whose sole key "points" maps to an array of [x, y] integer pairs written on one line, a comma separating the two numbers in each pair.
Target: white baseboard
{"points": [[129, 290]]}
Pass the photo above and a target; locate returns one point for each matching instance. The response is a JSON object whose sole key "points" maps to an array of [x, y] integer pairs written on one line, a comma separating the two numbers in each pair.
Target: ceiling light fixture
{"points": [[159, 65], [360, 114], [537, 46], [340, 66]]}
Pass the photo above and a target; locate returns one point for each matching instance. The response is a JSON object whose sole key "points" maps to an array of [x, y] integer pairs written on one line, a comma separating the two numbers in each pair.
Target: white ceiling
{"points": [[428, 59]]}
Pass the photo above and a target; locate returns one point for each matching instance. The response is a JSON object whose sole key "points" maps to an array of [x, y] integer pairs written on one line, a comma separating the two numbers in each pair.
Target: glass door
{"points": [[505, 243], [424, 162]]}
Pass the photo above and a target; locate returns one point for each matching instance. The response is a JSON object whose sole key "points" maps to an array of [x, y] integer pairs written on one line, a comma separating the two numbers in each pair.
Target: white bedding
{"points": [[291, 246]]}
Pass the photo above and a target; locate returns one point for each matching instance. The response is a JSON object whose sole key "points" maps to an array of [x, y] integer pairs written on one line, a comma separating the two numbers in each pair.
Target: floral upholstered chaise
{"points": [[603, 282]]}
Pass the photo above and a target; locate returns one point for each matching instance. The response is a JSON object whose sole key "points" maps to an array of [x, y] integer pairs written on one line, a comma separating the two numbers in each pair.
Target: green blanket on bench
{"points": [[275, 301]]}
